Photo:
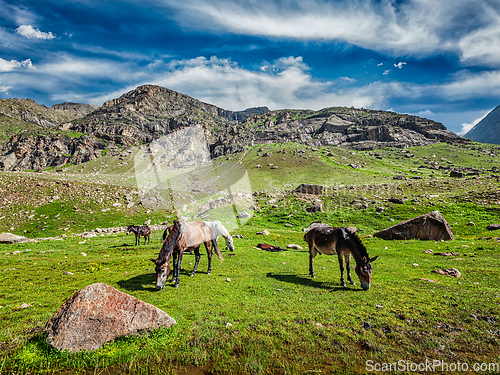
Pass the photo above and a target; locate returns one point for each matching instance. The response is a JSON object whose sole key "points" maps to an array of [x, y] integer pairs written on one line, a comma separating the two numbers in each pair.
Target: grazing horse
{"points": [[219, 230], [139, 231], [326, 240], [183, 236]]}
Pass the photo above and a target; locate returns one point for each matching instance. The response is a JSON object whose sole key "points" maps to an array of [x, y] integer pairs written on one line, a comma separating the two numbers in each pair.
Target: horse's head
{"points": [[364, 272], [162, 269], [129, 229]]}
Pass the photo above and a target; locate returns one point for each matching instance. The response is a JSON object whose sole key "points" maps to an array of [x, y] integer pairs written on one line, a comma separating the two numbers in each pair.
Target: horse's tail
{"points": [[217, 251]]}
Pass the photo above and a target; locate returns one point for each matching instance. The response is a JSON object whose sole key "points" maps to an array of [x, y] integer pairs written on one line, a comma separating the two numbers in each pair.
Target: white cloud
{"points": [[284, 83], [29, 32], [10, 65], [400, 64], [468, 28], [468, 126], [386, 72], [5, 88]]}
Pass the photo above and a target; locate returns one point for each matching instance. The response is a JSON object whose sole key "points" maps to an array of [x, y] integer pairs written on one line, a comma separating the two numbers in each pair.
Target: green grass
{"points": [[271, 317]]}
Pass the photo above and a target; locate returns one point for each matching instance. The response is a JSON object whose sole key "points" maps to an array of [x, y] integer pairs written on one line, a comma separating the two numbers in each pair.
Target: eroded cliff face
{"points": [[358, 128], [75, 133]]}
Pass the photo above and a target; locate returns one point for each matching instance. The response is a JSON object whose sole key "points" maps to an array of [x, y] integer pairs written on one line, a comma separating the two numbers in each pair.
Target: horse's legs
{"points": [[196, 260], [174, 264], [341, 265], [209, 256], [312, 254], [137, 237], [179, 261], [348, 268]]}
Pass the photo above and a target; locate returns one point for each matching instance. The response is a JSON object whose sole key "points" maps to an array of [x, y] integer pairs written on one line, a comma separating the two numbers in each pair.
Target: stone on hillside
{"points": [[449, 272], [316, 224], [397, 200], [315, 208], [10, 238], [493, 227], [89, 234], [293, 246], [310, 189], [265, 232], [431, 226], [98, 314], [456, 174], [243, 215]]}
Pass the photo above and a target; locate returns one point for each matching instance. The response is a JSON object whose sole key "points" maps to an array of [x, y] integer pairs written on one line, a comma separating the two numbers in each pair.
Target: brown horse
{"points": [[340, 241], [139, 231], [183, 236]]}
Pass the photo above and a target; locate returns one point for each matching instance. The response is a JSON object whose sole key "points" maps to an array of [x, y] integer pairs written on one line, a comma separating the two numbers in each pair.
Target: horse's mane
{"points": [[354, 239], [170, 242]]}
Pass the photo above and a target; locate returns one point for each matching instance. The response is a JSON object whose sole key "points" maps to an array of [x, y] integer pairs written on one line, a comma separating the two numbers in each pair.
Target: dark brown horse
{"points": [[140, 231], [183, 236], [340, 241]]}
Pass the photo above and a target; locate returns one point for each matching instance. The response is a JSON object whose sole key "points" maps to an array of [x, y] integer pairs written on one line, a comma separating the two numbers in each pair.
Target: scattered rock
{"points": [[448, 254], [265, 232], [89, 234], [493, 227], [448, 272], [429, 280], [366, 325], [243, 215], [488, 319], [23, 306], [470, 224], [429, 251], [10, 238], [98, 314], [315, 208], [431, 226], [456, 174], [397, 200], [293, 246], [310, 189]]}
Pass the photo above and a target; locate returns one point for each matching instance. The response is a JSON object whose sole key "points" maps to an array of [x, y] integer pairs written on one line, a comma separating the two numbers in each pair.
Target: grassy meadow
{"points": [[260, 312]]}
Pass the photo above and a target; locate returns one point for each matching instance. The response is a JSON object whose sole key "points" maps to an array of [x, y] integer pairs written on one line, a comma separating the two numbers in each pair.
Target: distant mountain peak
{"points": [[488, 129]]}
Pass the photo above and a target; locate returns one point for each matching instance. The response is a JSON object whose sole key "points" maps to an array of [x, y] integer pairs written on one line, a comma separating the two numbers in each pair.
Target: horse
{"points": [[139, 231], [328, 241], [219, 230], [181, 237]]}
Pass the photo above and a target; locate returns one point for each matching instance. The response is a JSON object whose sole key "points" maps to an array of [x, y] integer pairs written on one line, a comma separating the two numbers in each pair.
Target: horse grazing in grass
{"points": [[329, 241], [140, 231], [219, 230], [181, 237]]}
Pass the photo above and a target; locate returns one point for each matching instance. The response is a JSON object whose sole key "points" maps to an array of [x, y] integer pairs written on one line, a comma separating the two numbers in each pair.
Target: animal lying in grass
{"points": [[340, 241], [181, 237], [139, 231]]}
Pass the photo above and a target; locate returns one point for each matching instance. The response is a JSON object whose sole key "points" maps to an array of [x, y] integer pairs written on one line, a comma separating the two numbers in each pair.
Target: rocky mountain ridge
{"points": [[75, 133]]}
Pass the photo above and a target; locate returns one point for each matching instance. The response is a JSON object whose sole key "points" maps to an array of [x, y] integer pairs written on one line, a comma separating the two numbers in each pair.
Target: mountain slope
{"points": [[54, 136], [488, 129]]}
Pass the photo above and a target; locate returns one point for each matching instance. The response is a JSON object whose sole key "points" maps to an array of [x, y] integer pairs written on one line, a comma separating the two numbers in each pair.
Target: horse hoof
{"points": [[192, 275], [176, 285]]}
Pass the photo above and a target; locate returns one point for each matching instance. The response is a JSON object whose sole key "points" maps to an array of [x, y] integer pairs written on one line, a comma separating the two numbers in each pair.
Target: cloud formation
{"points": [[31, 33], [468, 28], [10, 65]]}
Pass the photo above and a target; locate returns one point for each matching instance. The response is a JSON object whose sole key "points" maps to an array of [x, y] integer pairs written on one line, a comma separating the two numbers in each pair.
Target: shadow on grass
{"points": [[308, 281], [138, 282]]}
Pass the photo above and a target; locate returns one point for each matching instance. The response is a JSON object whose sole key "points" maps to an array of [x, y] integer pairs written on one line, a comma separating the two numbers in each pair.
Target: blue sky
{"points": [[435, 59]]}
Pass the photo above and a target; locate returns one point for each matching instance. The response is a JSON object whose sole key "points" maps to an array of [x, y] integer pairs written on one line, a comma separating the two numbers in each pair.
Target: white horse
{"points": [[219, 230]]}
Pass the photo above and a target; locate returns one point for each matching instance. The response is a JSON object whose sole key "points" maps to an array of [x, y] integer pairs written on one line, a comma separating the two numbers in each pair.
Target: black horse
{"points": [[139, 231]]}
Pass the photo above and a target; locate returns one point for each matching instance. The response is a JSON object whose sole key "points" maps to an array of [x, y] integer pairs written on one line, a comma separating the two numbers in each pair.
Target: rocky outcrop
{"points": [[40, 152], [432, 226], [98, 314], [359, 128]]}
